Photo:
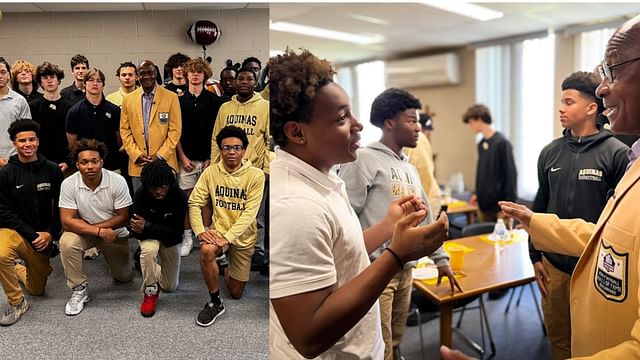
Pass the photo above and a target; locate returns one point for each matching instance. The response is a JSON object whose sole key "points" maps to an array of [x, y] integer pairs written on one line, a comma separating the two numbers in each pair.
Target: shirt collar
{"points": [[152, 92], [302, 168], [634, 152], [103, 181]]}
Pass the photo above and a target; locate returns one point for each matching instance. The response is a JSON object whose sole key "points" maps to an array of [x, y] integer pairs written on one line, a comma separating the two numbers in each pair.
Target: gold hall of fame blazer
{"points": [[165, 126], [605, 319]]}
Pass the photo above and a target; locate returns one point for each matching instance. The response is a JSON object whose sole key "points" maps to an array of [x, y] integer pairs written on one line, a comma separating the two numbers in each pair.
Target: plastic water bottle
{"points": [[500, 233]]}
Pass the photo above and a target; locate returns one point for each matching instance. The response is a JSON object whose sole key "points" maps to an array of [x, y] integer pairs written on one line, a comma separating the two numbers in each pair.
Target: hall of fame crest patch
{"points": [[611, 273]]}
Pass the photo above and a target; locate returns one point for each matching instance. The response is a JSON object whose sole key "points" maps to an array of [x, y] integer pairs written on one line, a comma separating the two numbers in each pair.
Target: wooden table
{"points": [[467, 209], [486, 269]]}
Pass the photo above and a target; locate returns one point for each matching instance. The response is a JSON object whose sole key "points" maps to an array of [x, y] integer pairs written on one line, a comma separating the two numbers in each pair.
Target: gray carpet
{"points": [[517, 335], [111, 327]]}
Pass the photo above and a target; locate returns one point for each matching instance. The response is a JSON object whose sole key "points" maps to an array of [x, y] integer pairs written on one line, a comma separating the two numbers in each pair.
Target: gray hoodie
{"points": [[378, 177]]}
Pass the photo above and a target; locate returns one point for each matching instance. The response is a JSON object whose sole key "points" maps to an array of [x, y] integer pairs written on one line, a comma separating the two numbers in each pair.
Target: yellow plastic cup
{"points": [[456, 260]]}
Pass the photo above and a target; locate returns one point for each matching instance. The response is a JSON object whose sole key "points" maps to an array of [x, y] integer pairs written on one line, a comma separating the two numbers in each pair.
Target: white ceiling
{"points": [[123, 6], [411, 27]]}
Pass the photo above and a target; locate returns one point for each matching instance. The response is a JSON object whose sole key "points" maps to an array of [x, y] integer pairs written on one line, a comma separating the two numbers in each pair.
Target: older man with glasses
{"points": [[151, 124], [605, 286]]}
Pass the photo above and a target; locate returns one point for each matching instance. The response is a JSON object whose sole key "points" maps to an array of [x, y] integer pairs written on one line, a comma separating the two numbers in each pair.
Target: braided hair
{"points": [[156, 174]]}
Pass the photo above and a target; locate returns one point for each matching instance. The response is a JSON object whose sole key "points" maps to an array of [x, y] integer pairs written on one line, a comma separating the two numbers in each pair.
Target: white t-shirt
{"points": [[316, 242], [99, 205]]}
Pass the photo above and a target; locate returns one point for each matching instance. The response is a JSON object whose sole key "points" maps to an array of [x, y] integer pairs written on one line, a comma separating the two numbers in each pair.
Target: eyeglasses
{"points": [[235, 148], [605, 69]]}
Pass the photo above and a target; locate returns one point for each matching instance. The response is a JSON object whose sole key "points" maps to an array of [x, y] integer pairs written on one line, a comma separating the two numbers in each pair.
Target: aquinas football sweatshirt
{"points": [[378, 177], [236, 199], [252, 116]]}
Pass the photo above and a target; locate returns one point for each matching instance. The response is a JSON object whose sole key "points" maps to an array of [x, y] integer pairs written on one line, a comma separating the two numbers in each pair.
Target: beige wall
{"points": [[452, 140], [109, 38]]}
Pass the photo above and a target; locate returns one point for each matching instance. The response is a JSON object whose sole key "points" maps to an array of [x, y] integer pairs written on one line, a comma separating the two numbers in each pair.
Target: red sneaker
{"points": [[148, 307]]}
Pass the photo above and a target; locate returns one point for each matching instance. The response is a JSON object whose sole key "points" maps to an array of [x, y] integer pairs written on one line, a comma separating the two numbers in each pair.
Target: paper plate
{"points": [[425, 273]]}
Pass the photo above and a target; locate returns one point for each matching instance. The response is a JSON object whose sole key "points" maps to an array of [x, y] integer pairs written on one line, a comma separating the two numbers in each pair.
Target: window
{"points": [[590, 47], [513, 80], [363, 82]]}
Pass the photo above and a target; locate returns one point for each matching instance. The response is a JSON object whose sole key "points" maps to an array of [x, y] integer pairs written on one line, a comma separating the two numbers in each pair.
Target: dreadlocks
{"points": [[157, 174]]}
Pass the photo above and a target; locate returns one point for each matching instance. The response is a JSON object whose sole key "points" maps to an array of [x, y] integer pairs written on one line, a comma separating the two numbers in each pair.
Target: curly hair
{"points": [[22, 125], [477, 111], [88, 144], [390, 103], [48, 69], [18, 67], [232, 131], [294, 80], [198, 64], [177, 60]]}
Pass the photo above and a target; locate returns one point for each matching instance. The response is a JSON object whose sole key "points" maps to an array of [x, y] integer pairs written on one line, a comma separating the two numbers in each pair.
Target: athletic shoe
{"points": [[12, 313], [148, 307], [187, 244], [91, 254], [76, 303], [210, 313]]}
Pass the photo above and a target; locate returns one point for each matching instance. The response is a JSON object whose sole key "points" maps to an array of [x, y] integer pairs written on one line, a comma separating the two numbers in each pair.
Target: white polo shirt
{"points": [[95, 206], [316, 242], [12, 107]]}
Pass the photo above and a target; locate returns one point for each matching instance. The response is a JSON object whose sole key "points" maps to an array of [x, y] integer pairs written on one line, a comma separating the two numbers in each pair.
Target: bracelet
{"points": [[99, 231], [396, 256]]}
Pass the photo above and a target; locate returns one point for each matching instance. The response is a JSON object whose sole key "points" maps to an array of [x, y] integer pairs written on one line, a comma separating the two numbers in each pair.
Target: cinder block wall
{"points": [[109, 38]]}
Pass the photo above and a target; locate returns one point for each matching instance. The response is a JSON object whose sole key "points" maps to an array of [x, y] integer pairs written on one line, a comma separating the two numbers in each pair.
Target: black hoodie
{"points": [[575, 175], [29, 195]]}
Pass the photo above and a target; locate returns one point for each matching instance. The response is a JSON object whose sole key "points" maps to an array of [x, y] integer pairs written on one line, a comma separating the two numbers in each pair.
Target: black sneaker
{"points": [[210, 313]]}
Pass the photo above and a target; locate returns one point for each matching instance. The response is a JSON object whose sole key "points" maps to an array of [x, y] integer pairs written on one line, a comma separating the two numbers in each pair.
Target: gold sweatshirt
{"points": [[251, 116], [236, 199]]}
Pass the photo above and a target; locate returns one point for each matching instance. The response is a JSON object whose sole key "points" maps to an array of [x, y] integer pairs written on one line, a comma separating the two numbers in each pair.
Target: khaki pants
{"points": [[33, 276], [557, 316], [166, 275], [117, 254], [240, 262], [394, 308]]}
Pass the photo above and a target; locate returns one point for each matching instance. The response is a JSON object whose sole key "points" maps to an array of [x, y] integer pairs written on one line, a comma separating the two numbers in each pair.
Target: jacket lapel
{"points": [[154, 105], [628, 180]]}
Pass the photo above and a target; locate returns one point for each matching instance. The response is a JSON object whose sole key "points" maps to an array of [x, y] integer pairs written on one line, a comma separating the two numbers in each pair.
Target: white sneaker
{"points": [[76, 303], [187, 244], [13, 313]]}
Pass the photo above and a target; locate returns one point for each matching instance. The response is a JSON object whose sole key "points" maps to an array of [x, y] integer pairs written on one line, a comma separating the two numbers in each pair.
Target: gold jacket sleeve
{"points": [[552, 234]]}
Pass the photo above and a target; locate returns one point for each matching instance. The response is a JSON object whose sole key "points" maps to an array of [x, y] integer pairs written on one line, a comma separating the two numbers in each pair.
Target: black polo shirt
{"points": [[71, 94], [101, 122], [198, 117], [52, 117], [34, 93], [175, 88]]}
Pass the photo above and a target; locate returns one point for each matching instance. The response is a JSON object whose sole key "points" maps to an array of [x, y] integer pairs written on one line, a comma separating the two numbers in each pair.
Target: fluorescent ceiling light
{"points": [[324, 33], [462, 8]]}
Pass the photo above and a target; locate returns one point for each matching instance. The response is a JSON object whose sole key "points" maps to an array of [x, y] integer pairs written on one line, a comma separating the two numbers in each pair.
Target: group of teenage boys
{"points": [[577, 174], [80, 170]]}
